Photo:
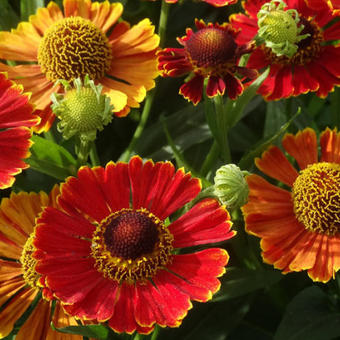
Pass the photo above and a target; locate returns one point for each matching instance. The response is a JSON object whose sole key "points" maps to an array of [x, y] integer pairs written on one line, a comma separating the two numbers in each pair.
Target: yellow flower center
{"points": [[73, 47], [131, 245], [316, 198], [28, 263], [210, 47]]}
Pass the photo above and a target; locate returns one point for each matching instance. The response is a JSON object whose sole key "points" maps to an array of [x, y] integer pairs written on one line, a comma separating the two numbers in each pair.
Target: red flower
{"points": [[15, 119], [109, 255], [299, 225], [314, 67], [211, 53]]}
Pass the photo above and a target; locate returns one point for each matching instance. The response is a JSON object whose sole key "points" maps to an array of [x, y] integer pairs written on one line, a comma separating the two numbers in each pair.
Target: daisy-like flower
{"points": [[211, 53], [84, 39], [315, 64], [216, 3], [299, 226], [19, 282], [111, 255], [15, 120]]}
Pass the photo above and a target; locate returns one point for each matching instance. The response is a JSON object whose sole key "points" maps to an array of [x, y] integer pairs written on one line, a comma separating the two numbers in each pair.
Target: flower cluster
{"points": [[106, 241]]}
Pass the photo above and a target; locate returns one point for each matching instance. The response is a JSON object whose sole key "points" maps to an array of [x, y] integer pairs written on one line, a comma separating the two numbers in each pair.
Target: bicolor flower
{"points": [[112, 254], [210, 53], [299, 223], [84, 39], [16, 119], [312, 61]]}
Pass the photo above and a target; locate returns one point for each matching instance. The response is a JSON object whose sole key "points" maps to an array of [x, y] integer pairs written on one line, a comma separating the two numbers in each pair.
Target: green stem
{"points": [[163, 19], [155, 333], [210, 159], [82, 151], [222, 124], [143, 119], [94, 155]]}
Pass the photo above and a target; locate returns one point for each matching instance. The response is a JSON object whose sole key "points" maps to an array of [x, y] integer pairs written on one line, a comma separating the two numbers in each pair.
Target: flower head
{"points": [[299, 226], [15, 120], [113, 234], [82, 109], [85, 39], [211, 53], [308, 61], [230, 186], [19, 281]]}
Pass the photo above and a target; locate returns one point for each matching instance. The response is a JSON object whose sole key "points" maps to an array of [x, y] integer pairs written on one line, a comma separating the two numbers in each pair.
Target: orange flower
{"points": [[19, 286], [72, 44], [299, 226]]}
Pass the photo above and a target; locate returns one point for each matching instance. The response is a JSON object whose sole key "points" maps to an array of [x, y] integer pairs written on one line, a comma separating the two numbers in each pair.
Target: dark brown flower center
{"points": [[131, 245], [131, 235], [72, 48], [210, 47]]}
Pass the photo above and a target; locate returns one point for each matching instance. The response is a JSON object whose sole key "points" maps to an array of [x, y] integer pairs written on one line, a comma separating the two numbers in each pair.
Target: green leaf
{"points": [[310, 315], [275, 118], [248, 159], [92, 331], [8, 18], [29, 7], [240, 281], [51, 159]]}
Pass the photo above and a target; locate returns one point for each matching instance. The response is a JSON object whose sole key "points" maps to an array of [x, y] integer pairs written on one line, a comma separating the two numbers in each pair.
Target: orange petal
{"points": [[13, 311], [21, 210], [9, 287], [323, 268], [136, 70], [105, 15], [38, 323], [19, 71], [330, 146], [274, 164], [266, 199], [45, 17], [9, 270], [118, 98], [21, 43], [135, 94], [77, 8], [138, 39], [303, 147]]}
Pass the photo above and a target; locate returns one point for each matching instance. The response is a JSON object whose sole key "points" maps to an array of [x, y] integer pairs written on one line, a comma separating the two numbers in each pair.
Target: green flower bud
{"points": [[82, 110], [231, 187], [279, 30]]}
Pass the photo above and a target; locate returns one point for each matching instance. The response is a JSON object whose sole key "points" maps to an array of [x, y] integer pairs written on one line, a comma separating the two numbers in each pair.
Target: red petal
{"points": [[196, 273], [216, 86], [159, 189], [85, 195], [192, 90], [206, 222]]}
